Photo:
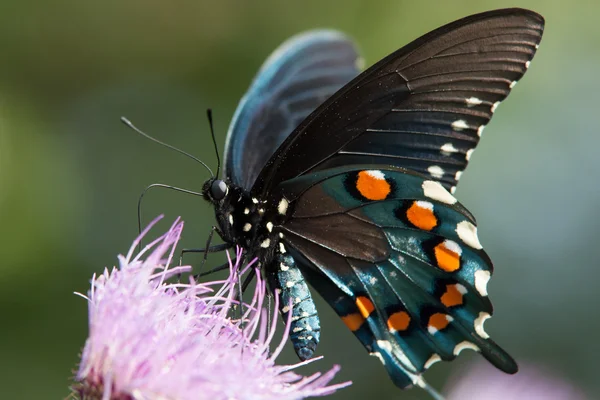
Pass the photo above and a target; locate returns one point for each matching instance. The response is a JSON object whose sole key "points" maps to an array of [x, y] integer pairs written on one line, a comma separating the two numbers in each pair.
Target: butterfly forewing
{"points": [[299, 76], [423, 107]]}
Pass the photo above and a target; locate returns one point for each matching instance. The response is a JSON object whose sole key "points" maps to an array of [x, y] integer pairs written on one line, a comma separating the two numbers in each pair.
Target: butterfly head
{"points": [[215, 190]]}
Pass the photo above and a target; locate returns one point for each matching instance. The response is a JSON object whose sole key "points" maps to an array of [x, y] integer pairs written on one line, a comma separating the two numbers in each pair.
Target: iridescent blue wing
{"points": [[423, 107], [298, 77], [399, 260]]}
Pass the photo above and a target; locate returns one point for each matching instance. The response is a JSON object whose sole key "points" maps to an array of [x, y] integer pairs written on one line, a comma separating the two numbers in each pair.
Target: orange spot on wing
{"points": [[452, 296], [438, 321], [353, 321], [398, 321], [372, 185], [365, 306], [447, 259], [421, 216]]}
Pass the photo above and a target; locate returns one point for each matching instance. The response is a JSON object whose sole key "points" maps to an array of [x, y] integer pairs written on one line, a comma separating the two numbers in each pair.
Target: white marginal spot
{"points": [[246, 211], [527, 64], [378, 355], [482, 278], [266, 243], [449, 148], [230, 219], [452, 189], [467, 232], [309, 337], [297, 300], [479, 324], [435, 190], [261, 211], [495, 106], [463, 346], [480, 130], [512, 84], [376, 174], [298, 329], [537, 46], [305, 314], [285, 309], [281, 248], [255, 200], [473, 101], [432, 360], [283, 267], [458, 175], [282, 206], [270, 226], [290, 284], [247, 227], [281, 235], [436, 171], [469, 154], [459, 125]]}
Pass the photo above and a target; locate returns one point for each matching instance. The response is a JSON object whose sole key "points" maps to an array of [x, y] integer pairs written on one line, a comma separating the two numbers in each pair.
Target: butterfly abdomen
{"points": [[294, 296]]}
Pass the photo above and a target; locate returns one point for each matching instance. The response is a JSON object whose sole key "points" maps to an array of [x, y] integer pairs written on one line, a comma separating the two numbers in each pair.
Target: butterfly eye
{"points": [[218, 189]]}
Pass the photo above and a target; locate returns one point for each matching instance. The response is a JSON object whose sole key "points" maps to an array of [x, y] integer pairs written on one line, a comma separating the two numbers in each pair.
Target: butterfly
{"points": [[345, 180]]}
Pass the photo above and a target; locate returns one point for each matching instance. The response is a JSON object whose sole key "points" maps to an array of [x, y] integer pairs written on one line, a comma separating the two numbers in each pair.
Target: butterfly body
{"points": [[345, 181]]}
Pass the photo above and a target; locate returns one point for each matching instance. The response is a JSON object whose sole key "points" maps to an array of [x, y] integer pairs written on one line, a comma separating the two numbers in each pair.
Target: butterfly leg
{"points": [[287, 280]]}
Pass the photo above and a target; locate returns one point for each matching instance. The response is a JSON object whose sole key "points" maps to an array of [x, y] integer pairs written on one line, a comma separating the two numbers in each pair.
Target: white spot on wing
{"points": [[453, 247], [373, 280], [463, 346], [479, 324], [290, 284], [449, 148], [376, 174], [480, 130], [473, 101], [436, 171], [270, 226], [285, 309], [432, 360], [467, 232], [452, 189], [469, 154], [230, 219], [482, 278], [435, 190], [255, 200], [266, 243], [246, 211], [281, 248], [425, 204], [458, 175], [527, 64], [283, 267], [282, 206], [495, 106], [459, 125], [512, 84], [298, 329], [247, 227], [461, 289]]}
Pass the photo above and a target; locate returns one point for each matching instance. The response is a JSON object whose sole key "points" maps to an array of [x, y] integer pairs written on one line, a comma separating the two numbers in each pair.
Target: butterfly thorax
{"points": [[244, 220]]}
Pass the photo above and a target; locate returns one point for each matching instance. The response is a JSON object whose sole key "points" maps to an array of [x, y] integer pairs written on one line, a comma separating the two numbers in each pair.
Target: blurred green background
{"points": [[71, 173]]}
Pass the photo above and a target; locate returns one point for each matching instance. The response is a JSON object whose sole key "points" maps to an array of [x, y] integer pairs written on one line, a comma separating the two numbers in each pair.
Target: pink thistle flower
{"points": [[152, 339], [481, 381]]}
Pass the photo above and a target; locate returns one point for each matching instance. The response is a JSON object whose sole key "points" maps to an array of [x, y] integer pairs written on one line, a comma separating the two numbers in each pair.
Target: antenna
{"points": [[212, 132], [130, 125]]}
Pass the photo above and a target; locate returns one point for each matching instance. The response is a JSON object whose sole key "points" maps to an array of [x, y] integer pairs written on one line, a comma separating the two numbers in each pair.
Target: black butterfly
{"points": [[355, 196]]}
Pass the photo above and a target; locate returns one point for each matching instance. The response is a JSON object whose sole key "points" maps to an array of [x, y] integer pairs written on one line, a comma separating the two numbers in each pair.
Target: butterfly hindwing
{"points": [[423, 107], [397, 253], [300, 75]]}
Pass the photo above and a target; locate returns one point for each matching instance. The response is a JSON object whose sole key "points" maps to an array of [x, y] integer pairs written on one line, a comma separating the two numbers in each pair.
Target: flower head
{"points": [[153, 338]]}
